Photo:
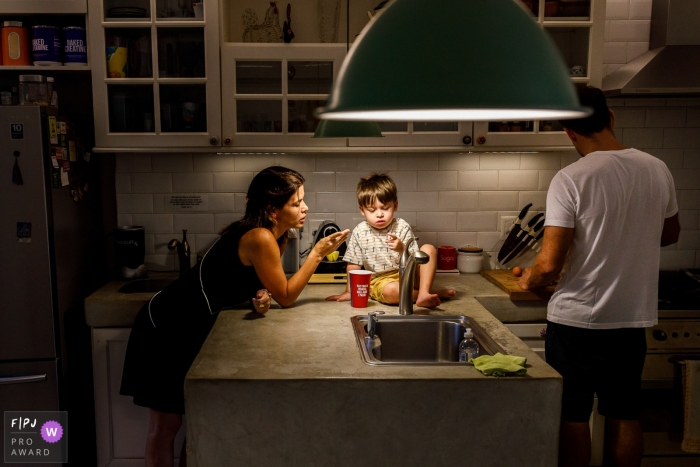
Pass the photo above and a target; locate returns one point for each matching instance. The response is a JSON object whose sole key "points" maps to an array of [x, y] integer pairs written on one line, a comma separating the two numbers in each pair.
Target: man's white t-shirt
{"points": [[616, 202]]}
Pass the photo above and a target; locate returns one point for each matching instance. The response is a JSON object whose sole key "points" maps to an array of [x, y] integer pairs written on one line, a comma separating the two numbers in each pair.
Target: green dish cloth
{"points": [[500, 365]]}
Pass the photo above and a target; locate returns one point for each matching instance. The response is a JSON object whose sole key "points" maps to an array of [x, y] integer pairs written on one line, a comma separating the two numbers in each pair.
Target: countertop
{"points": [[109, 308], [290, 388], [314, 339]]}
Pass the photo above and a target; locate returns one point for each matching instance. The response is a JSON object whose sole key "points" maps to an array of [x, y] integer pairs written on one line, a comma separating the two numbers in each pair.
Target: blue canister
{"points": [[75, 46], [46, 45]]}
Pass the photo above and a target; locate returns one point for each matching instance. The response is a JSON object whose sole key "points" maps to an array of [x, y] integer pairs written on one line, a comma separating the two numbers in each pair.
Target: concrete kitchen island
{"points": [[291, 389]]}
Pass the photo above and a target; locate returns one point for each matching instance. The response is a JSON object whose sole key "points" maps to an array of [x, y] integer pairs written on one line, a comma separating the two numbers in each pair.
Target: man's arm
{"points": [[549, 263], [669, 235]]}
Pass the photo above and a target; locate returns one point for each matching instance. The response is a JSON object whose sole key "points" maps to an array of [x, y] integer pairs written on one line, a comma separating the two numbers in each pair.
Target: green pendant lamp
{"points": [[347, 129], [447, 60]]}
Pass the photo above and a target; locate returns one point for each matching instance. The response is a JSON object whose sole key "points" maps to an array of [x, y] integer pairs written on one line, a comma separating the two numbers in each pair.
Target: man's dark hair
{"points": [[598, 121]]}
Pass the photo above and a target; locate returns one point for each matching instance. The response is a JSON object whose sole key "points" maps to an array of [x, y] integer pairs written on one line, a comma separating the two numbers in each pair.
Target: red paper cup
{"points": [[359, 288], [447, 257]]}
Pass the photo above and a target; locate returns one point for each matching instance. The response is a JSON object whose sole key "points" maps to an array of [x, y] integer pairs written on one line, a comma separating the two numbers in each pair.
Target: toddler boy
{"points": [[378, 242]]}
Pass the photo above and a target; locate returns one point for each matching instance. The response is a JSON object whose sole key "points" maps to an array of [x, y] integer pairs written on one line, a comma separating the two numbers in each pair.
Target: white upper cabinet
{"points": [[577, 27], [43, 6], [270, 92], [270, 89], [156, 75]]}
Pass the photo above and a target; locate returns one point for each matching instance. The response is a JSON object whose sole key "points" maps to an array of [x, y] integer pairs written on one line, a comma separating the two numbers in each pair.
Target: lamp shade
{"points": [[346, 129], [446, 60]]}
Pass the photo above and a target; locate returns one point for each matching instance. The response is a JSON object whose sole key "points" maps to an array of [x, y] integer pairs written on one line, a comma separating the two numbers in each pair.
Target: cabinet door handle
{"points": [[214, 141], [22, 379]]}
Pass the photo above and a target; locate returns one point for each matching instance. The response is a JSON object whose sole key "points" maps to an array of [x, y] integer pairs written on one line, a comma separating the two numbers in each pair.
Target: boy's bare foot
{"points": [[428, 300], [445, 294]]}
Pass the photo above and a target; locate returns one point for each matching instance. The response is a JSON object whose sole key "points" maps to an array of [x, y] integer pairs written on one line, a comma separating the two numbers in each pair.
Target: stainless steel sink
{"points": [[145, 285], [418, 340]]}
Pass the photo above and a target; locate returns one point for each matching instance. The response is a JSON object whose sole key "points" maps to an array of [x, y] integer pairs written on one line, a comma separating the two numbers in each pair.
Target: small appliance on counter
{"points": [[290, 257], [329, 272], [130, 251]]}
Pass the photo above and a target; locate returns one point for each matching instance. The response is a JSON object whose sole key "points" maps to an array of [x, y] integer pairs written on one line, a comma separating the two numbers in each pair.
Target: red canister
{"points": [[447, 257], [15, 44]]}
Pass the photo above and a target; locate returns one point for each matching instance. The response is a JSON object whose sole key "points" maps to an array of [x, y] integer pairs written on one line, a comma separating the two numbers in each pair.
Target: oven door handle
{"points": [[22, 379]]}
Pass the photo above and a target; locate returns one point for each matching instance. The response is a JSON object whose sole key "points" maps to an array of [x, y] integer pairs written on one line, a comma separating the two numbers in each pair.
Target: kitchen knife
{"points": [[513, 236], [534, 246], [523, 235], [531, 235]]}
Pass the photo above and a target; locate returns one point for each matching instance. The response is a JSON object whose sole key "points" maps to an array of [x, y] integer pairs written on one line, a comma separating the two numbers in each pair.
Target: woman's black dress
{"points": [[170, 330]]}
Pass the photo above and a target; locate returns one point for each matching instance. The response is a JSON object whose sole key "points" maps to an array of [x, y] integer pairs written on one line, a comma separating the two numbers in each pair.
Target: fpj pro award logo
{"points": [[36, 437]]}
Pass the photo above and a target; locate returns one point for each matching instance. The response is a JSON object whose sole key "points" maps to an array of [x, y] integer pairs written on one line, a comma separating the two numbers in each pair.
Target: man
{"points": [[607, 216]]}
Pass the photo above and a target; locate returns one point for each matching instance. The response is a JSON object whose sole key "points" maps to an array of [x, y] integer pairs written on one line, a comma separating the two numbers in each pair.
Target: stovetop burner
{"points": [[679, 290]]}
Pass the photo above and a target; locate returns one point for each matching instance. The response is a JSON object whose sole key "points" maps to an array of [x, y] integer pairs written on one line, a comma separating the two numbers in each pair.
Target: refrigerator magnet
{"points": [[64, 177], [54, 162], [24, 232], [53, 131]]}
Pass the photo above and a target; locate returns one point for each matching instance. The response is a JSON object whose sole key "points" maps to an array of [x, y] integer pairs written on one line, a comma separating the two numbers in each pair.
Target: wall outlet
{"points": [[505, 224]]}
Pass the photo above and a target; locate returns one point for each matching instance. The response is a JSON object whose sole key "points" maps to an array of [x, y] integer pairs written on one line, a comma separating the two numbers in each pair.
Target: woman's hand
{"points": [[343, 297], [261, 301], [329, 244]]}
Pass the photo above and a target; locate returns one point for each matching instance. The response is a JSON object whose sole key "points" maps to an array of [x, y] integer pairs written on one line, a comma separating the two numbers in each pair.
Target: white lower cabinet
{"points": [[121, 426]]}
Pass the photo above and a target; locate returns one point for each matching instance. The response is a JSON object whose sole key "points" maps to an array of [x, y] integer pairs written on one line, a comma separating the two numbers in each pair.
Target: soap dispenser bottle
{"points": [[468, 348]]}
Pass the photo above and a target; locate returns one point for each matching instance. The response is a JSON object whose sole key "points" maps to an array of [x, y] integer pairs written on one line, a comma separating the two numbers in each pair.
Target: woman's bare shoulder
{"points": [[258, 236]]}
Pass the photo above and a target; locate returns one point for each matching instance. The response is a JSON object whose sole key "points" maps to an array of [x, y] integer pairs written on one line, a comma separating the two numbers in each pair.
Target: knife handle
{"points": [[523, 212], [539, 226], [534, 220]]}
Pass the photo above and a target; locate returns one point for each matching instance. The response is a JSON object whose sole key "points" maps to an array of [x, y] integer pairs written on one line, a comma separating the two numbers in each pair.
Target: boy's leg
{"points": [[391, 293], [425, 275]]}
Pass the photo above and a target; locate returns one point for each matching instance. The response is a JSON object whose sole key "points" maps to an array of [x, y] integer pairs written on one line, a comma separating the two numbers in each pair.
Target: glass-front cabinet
{"points": [[156, 74], [270, 93], [577, 29], [271, 88], [43, 6]]}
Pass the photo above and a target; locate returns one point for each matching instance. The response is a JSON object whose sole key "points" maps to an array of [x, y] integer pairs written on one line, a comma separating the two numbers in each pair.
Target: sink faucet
{"points": [[183, 252], [407, 267], [372, 323]]}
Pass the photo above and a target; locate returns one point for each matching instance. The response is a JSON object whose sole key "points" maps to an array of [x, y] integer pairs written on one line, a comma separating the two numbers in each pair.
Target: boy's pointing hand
{"points": [[394, 243]]}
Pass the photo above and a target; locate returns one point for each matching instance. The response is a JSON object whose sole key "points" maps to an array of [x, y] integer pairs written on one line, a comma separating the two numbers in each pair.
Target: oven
{"points": [[673, 340]]}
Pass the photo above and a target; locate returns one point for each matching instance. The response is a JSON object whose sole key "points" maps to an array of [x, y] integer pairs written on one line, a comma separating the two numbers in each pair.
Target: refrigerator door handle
{"points": [[22, 379]]}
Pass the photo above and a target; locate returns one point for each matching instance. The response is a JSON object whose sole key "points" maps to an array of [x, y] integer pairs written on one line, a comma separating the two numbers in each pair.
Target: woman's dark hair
{"points": [[271, 188], [598, 121]]}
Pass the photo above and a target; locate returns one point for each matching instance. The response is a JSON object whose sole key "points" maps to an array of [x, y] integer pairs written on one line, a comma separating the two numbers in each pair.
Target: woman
{"points": [[245, 262]]}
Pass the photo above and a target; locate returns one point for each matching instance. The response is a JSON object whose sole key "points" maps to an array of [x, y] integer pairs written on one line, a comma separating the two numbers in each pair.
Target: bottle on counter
{"points": [[186, 247], [468, 348]]}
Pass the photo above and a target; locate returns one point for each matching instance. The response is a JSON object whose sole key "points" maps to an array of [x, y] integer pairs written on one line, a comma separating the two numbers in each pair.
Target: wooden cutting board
{"points": [[505, 279]]}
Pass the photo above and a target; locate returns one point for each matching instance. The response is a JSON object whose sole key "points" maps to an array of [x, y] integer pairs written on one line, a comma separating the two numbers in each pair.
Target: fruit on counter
{"points": [[517, 271], [333, 256]]}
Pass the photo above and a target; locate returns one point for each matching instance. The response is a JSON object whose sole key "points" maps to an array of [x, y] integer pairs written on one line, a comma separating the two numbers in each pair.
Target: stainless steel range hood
{"points": [[672, 64]]}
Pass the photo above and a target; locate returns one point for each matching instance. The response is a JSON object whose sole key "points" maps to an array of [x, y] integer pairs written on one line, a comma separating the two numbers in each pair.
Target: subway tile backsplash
{"points": [[455, 199]]}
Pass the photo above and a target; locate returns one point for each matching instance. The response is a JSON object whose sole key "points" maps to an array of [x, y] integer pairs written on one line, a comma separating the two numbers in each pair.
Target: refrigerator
{"points": [[43, 253]]}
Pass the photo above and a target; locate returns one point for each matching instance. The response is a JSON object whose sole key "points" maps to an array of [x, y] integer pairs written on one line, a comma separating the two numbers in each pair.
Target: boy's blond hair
{"points": [[376, 187]]}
